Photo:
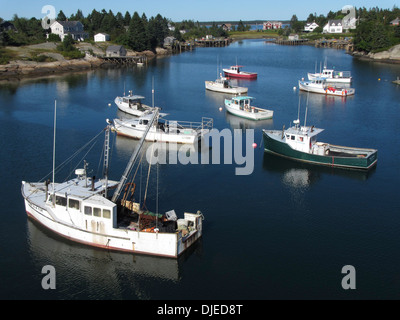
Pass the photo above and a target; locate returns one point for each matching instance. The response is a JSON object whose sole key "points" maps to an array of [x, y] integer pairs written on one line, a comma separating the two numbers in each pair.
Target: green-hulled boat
{"points": [[299, 143]]}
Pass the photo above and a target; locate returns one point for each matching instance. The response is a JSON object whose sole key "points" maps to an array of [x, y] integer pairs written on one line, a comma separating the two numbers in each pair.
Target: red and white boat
{"points": [[235, 72]]}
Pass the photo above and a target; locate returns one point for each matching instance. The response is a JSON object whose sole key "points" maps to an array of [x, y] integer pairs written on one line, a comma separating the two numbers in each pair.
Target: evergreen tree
{"points": [[137, 37]]}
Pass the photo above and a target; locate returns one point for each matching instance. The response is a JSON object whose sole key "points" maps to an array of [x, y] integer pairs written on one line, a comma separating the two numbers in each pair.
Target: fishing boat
{"points": [[80, 209], [163, 130], [300, 143], [241, 106], [223, 84], [330, 75], [320, 86], [132, 104], [235, 72]]}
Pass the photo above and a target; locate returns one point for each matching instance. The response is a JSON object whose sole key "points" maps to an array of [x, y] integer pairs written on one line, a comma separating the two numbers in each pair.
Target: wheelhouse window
{"points": [[61, 201], [106, 213], [73, 204], [88, 210], [292, 137], [97, 212]]}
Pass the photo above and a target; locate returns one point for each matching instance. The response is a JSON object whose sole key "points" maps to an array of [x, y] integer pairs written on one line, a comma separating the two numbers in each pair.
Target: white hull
{"points": [[102, 232], [325, 89], [125, 128], [218, 87]]}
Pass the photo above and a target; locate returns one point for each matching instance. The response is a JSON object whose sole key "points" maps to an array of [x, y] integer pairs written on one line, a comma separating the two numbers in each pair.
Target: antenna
{"points": [[305, 117]]}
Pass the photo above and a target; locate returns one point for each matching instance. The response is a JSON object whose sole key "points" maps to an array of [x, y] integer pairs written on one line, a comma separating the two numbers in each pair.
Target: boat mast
{"points": [[134, 156], [54, 149], [106, 156]]}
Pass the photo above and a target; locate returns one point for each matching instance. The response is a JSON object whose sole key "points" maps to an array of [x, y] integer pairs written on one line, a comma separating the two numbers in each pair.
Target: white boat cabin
{"points": [[302, 138]]}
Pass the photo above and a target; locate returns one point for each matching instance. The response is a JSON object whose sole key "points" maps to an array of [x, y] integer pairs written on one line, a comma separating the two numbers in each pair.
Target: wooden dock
{"points": [[127, 60], [288, 42], [335, 44], [223, 42]]}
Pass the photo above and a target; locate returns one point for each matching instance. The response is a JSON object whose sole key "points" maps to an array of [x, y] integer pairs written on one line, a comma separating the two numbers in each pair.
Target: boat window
{"points": [[292, 137], [106, 213], [73, 204], [97, 212], [300, 139], [61, 201], [287, 136], [88, 210]]}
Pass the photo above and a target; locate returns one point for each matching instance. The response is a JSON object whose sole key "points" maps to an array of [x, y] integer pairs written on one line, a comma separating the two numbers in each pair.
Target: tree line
{"points": [[133, 31]]}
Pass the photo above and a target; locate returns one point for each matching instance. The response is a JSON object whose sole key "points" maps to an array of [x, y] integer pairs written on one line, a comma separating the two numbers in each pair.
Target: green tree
{"points": [[137, 36]]}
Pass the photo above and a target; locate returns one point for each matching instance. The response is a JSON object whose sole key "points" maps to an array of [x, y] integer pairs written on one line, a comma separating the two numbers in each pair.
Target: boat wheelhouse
{"points": [[132, 104]]}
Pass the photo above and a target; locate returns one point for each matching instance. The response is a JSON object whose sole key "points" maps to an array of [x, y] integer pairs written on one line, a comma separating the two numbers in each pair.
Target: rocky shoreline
{"points": [[390, 56], [19, 68]]}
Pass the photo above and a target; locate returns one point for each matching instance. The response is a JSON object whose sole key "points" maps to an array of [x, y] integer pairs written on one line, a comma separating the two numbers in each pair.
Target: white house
{"points": [[74, 28], [101, 37], [310, 27], [333, 26]]}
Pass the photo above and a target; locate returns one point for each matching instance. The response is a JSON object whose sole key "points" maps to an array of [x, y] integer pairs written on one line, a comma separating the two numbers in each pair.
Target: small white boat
{"points": [[241, 106], [132, 104], [223, 84], [320, 86], [164, 130], [330, 75]]}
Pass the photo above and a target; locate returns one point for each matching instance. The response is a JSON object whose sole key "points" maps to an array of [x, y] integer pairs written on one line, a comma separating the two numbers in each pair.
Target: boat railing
{"points": [[206, 123], [342, 74]]}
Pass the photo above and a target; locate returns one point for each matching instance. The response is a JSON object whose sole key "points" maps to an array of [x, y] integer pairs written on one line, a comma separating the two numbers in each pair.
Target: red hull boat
{"points": [[235, 72]]}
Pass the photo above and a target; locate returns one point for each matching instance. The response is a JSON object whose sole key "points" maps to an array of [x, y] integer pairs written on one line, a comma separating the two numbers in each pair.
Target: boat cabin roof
{"points": [[80, 188], [133, 97], [304, 131], [240, 98]]}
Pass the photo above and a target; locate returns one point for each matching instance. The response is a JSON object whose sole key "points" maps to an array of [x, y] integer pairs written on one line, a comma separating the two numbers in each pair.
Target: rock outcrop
{"points": [[392, 55]]}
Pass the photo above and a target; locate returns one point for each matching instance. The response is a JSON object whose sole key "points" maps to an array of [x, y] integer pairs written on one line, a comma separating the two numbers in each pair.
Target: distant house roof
{"points": [[114, 48], [69, 24], [335, 22], [395, 21]]}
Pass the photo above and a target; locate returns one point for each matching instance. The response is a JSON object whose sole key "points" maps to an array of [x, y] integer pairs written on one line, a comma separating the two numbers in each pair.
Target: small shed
{"points": [[115, 51], [101, 37]]}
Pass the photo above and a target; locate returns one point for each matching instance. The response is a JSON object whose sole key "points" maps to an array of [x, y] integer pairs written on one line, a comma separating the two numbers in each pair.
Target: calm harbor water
{"points": [[283, 232]]}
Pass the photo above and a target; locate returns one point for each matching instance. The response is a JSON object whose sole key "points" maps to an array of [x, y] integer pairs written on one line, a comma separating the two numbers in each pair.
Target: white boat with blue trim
{"points": [[241, 106]]}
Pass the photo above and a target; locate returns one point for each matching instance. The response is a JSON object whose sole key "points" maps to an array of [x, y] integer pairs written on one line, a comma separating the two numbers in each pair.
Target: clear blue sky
{"points": [[197, 10]]}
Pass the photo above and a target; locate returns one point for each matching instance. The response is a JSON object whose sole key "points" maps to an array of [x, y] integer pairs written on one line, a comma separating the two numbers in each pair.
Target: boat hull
{"points": [[157, 135], [342, 92], [93, 231], [231, 90], [240, 75], [274, 145], [260, 115]]}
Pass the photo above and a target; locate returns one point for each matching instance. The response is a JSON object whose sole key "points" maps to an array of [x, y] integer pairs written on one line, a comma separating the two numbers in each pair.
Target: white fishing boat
{"points": [[241, 106], [132, 104], [321, 86], [223, 84], [81, 210], [163, 130], [330, 75]]}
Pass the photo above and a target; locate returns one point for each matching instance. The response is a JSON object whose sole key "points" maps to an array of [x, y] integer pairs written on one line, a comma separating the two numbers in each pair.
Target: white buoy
{"points": [[109, 104], [220, 108], [294, 88]]}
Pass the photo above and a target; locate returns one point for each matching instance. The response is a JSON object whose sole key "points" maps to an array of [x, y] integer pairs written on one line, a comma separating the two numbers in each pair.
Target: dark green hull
{"points": [[359, 163]]}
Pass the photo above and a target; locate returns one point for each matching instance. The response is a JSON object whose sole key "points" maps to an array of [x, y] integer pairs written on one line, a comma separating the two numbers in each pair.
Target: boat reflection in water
{"points": [[87, 271], [242, 123], [300, 174]]}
